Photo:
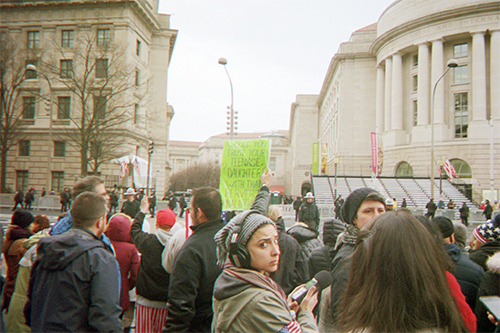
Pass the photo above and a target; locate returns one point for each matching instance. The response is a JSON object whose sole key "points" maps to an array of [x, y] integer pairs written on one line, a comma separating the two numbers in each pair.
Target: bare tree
{"points": [[12, 75], [104, 89], [196, 176]]}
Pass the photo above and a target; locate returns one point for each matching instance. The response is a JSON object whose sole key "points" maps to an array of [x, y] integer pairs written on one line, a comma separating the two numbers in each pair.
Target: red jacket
{"points": [[467, 315], [126, 254]]}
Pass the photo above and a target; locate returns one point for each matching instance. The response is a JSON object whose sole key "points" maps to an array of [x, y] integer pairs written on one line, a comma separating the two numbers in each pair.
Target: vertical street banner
{"points": [[243, 162], [374, 153], [315, 158], [324, 158]]}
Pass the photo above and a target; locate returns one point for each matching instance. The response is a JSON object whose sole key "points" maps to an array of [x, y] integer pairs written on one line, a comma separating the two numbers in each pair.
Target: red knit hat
{"points": [[165, 218]]}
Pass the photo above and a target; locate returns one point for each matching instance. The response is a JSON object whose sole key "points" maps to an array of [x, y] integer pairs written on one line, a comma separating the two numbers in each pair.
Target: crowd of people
{"points": [[387, 269]]}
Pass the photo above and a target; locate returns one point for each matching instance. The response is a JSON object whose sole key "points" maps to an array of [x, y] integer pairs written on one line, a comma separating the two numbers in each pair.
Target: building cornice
{"points": [[440, 16]]}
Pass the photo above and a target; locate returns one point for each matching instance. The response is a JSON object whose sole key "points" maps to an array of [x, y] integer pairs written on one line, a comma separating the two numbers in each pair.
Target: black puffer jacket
{"points": [[322, 257], [307, 237], [481, 255], [468, 274], [490, 286], [292, 270]]}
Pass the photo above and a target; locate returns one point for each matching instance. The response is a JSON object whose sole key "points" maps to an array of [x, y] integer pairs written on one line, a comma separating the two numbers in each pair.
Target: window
{"points": [[103, 37], [415, 60], [57, 181], [461, 50], [29, 107], [415, 82], [461, 115], [22, 179], [24, 148], [404, 169], [137, 77], [67, 38], [64, 107], [33, 39], [136, 113], [415, 112], [29, 74], [59, 148], [272, 163], [461, 74], [100, 107], [66, 69], [138, 48], [101, 68]]}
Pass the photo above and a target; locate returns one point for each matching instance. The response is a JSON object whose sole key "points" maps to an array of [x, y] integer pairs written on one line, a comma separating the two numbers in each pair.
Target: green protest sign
{"points": [[243, 162]]}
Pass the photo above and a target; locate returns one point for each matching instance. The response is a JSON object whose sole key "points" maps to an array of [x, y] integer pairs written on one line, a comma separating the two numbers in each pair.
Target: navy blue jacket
{"points": [[468, 274]]}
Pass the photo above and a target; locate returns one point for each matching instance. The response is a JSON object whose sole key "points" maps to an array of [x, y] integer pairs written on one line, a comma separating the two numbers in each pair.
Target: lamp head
{"points": [[31, 67], [452, 63], [223, 61]]}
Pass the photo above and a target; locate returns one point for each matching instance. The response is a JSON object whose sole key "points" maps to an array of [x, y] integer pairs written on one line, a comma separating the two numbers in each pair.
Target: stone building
{"points": [[123, 49], [383, 80]]}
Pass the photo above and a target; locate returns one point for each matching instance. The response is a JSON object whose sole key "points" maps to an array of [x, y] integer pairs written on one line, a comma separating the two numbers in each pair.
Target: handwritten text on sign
{"points": [[243, 162]]}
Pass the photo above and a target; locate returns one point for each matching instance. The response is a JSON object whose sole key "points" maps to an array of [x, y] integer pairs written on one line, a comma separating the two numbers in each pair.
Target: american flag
{"points": [[135, 163], [292, 327], [450, 170], [438, 168]]}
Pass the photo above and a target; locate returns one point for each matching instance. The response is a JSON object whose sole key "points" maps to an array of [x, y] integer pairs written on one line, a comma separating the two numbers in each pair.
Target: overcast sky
{"points": [[276, 49]]}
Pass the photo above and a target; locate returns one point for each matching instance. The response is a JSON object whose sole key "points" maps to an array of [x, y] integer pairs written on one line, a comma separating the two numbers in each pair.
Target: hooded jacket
{"points": [[307, 237], [468, 274], [126, 255], [241, 306], [74, 285]]}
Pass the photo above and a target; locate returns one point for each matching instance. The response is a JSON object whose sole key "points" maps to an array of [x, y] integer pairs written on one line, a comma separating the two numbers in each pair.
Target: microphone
{"points": [[321, 280]]}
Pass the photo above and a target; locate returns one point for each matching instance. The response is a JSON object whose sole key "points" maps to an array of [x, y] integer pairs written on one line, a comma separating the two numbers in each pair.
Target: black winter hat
{"points": [[22, 218], [352, 203], [445, 225]]}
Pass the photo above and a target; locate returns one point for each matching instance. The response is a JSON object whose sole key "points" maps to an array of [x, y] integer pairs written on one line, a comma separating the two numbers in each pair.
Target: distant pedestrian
{"points": [[464, 214], [431, 209], [18, 199], [389, 204], [296, 206], [182, 205], [64, 200], [152, 203], [130, 207], [113, 201], [488, 210], [43, 192], [404, 204], [29, 198], [339, 202]]}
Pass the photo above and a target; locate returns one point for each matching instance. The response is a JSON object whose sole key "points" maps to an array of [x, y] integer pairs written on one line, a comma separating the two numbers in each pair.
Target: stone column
{"points": [[423, 85], [388, 91], [479, 77], [397, 92], [495, 75], [437, 71], [379, 122]]}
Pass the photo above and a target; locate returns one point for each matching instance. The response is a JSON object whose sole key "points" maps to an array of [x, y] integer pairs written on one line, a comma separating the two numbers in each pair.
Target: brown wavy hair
{"points": [[397, 280]]}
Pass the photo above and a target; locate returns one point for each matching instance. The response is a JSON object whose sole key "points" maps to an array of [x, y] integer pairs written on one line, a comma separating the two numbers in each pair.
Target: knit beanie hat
{"points": [[165, 218], [22, 218], [445, 226], [352, 203], [244, 224], [489, 231]]}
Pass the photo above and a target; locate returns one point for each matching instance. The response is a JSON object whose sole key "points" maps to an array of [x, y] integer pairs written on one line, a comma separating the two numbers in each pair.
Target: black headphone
{"points": [[239, 254]]}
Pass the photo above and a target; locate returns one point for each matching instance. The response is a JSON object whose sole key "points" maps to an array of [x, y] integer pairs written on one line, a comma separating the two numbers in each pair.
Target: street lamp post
{"points": [[336, 162], [452, 63], [231, 117], [32, 67]]}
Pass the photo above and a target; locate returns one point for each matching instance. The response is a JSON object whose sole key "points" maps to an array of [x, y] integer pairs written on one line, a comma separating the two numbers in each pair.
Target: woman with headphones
{"points": [[246, 299]]}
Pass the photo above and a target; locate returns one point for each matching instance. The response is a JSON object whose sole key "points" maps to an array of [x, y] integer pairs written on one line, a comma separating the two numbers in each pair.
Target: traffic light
{"points": [[151, 147]]}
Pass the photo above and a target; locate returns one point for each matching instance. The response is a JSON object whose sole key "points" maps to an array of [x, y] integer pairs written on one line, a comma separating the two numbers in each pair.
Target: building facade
{"points": [[383, 81], [96, 85]]}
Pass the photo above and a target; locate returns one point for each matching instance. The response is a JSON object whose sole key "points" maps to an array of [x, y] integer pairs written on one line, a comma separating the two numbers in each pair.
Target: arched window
{"points": [[404, 169], [462, 168]]}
